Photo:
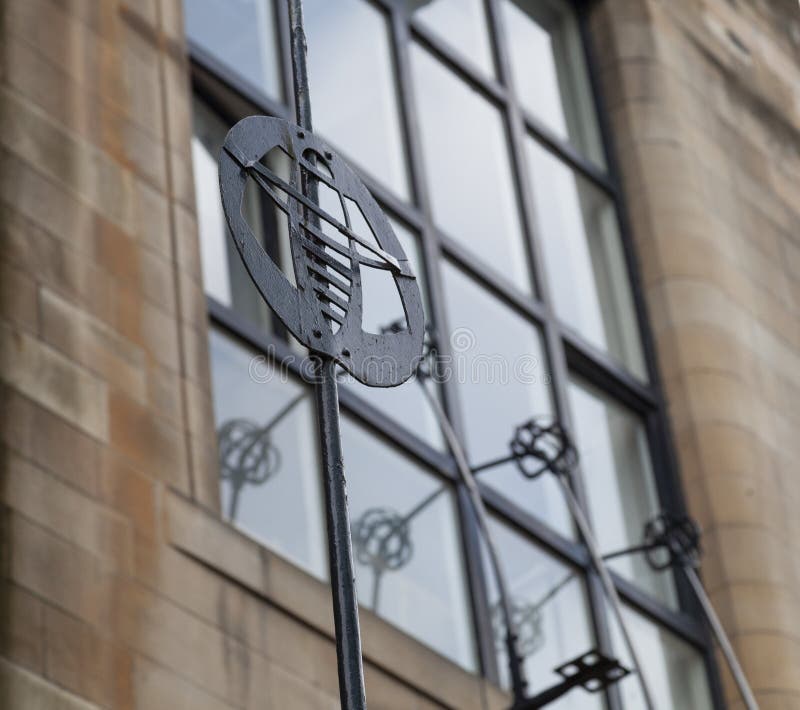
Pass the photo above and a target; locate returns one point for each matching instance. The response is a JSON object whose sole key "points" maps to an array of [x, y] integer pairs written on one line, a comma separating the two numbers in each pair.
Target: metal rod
{"points": [[340, 552], [516, 671], [491, 464], [302, 98], [629, 551], [722, 638], [608, 584], [376, 589]]}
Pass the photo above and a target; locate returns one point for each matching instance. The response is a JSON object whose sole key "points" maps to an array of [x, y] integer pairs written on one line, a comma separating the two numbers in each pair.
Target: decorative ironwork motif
{"points": [[676, 535], [247, 456], [592, 671], [527, 620], [539, 447], [382, 540], [676, 539], [324, 311]]}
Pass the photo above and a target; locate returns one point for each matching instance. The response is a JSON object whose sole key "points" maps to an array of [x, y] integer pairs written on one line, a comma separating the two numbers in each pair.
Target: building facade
{"points": [[600, 199]]}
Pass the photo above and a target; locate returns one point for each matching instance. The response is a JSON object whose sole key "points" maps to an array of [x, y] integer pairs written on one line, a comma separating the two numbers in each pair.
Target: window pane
{"points": [[467, 162], [269, 465], [550, 608], [503, 382], [549, 70], [406, 542], [674, 670], [616, 468], [577, 225], [353, 90], [461, 23], [224, 275], [407, 403], [240, 34]]}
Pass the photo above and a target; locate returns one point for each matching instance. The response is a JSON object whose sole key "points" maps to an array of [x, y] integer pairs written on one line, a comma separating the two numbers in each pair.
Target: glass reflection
{"points": [[240, 34], [618, 475], [549, 70], [224, 276], [461, 23], [353, 89], [503, 382], [269, 464], [467, 165], [406, 544], [550, 607], [577, 224], [674, 670]]}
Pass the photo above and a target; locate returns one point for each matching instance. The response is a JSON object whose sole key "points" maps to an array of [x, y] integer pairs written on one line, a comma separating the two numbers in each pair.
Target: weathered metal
{"points": [[324, 309], [677, 539], [537, 447], [591, 671]]}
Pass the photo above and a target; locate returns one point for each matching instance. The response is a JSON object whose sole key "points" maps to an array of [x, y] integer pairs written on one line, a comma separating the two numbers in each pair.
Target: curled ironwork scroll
{"points": [[324, 310]]}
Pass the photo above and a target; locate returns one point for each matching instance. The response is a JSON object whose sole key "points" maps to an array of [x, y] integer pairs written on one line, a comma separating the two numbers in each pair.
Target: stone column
{"points": [[704, 103]]}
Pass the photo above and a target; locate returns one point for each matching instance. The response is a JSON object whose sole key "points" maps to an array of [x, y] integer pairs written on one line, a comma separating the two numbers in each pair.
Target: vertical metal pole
{"points": [[340, 553], [722, 638]]}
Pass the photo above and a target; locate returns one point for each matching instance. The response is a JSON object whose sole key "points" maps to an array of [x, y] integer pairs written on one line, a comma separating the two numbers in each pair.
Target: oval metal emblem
{"points": [[324, 311]]}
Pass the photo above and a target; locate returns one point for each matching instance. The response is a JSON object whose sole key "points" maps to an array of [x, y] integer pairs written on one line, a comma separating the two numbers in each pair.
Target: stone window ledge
{"points": [[219, 546]]}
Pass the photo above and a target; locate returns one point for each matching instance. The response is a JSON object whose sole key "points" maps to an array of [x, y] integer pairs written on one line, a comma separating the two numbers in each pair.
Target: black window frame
{"points": [[567, 352]]}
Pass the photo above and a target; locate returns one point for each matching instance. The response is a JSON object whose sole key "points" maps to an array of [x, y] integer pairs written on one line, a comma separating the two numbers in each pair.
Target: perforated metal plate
{"points": [[324, 311], [593, 670]]}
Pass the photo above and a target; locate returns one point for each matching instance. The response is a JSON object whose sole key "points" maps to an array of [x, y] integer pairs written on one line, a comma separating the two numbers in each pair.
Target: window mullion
{"points": [[553, 344], [432, 251]]}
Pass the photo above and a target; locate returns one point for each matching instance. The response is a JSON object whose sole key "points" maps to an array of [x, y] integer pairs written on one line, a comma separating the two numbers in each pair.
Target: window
{"points": [[268, 470], [675, 671], [618, 476], [353, 89], [409, 567], [473, 123], [548, 70], [467, 167], [583, 256], [550, 607], [241, 36]]}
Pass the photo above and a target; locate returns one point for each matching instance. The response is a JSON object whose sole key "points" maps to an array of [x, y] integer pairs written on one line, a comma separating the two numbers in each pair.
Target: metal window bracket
{"points": [[591, 671]]}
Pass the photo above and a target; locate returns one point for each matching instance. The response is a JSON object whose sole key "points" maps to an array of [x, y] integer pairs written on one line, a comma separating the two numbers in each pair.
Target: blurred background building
{"points": [[601, 199]]}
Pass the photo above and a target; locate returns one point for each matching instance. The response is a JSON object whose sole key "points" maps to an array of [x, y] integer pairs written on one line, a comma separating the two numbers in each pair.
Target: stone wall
{"points": [[704, 102]]}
